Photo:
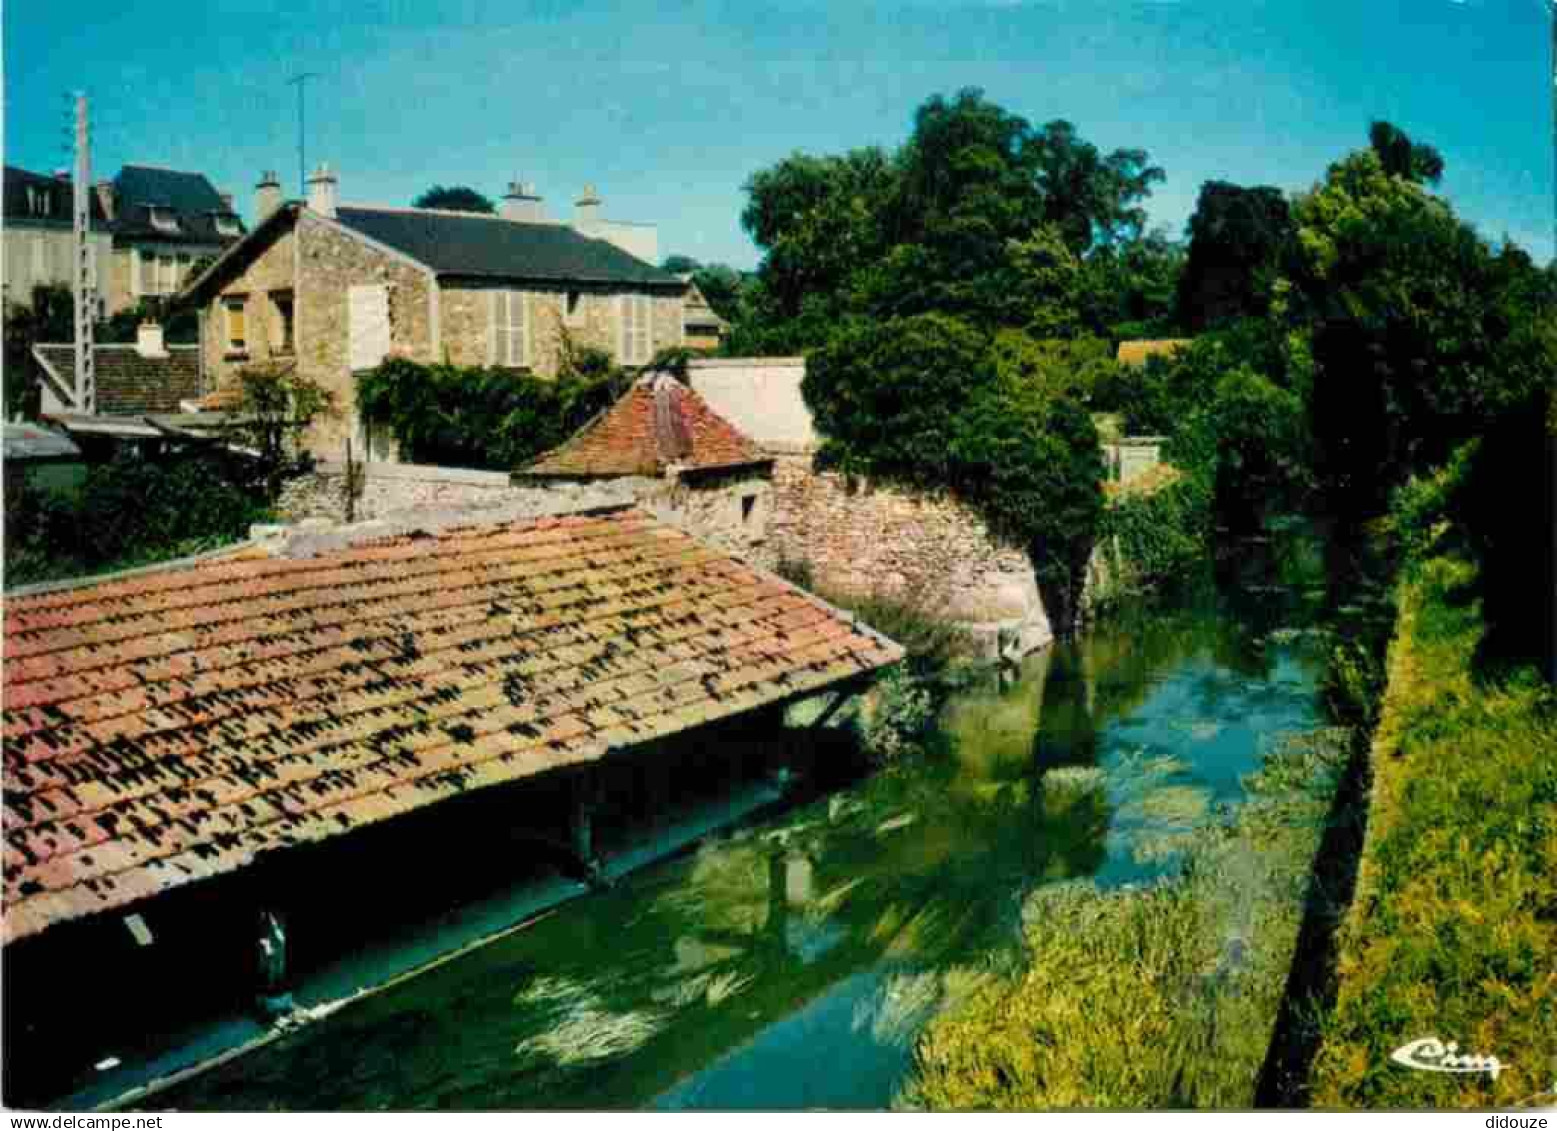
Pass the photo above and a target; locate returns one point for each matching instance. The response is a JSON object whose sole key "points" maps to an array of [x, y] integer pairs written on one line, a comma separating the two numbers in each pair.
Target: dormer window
{"points": [[162, 218], [227, 224], [38, 201]]}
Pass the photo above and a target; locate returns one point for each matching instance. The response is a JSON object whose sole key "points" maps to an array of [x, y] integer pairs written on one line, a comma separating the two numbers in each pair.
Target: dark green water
{"points": [[792, 964]]}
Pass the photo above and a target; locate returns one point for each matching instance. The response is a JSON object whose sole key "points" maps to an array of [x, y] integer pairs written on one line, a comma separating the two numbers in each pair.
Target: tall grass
{"points": [[1148, 998], [1453, 930]]}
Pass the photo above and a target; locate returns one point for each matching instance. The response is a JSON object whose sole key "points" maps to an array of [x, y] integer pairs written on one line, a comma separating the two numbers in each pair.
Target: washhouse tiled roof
{"points": [[128, 383], [658, 423], [173, 725]]}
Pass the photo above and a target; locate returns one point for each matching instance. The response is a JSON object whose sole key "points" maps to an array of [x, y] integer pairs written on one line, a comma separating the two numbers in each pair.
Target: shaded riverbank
{"points": [[794, 963]]}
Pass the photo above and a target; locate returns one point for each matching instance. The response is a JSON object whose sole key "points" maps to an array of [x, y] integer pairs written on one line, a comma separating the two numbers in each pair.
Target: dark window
{"points": [[748, 505]]}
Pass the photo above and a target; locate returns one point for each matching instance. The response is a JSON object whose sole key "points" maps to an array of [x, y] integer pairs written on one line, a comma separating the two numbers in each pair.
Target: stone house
{"points": [[164, 222], [39, 239], [336, 288], [150, 227]]}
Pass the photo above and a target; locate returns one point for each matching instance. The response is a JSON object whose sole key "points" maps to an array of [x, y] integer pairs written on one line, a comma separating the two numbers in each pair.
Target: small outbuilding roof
{"points": [[173, 725], [32, 443], [1137, 352], [659, 423], [129, 383]]}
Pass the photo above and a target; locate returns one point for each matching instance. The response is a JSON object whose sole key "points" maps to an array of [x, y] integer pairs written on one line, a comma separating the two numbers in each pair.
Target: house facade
{"points": [[336, 288], [150, 228], [165, 222], [39, 239]]}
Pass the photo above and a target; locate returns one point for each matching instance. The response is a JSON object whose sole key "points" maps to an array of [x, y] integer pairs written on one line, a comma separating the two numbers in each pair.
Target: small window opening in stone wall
{"points": [[748, 508]]}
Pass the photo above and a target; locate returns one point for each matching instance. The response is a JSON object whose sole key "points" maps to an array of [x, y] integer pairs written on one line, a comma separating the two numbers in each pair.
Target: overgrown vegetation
{"points": [[496, 419], [128, 512], [1155, 998], [1452, 932]]}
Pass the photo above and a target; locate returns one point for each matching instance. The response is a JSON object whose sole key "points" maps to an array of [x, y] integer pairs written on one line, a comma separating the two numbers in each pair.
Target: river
{"points": [[791, 963]]}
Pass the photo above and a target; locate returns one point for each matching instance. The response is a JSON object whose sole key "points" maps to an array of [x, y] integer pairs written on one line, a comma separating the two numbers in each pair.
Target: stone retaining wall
{"points": [[864, 539]]}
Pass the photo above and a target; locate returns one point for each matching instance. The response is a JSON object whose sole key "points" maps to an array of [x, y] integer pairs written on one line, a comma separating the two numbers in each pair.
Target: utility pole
{"points": [[82, 275], [302, 164]]}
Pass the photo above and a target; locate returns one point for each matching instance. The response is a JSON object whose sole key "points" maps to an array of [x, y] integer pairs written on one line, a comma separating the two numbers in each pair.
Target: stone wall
{"points": [[729, 511], [932, 550]]}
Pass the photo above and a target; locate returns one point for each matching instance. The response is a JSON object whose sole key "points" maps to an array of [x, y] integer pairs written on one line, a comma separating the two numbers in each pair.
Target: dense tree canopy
{"points": [[1237, 239], [979, 214], [454, 198]]}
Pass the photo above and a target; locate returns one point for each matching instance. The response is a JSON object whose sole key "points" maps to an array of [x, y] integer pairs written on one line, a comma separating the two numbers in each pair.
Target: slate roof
{"points": [[193, 199], [171, 726], [469, 244], [1136, 353], [657, 423], [127, 383], [61, 197]]}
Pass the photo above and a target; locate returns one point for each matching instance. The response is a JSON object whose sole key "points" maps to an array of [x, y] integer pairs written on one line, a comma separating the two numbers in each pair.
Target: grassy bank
{"points": [[1149, 998], [1453, 930]]}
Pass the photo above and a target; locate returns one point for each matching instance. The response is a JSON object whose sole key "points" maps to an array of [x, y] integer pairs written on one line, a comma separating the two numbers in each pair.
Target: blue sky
{"points": [[669, 106]]}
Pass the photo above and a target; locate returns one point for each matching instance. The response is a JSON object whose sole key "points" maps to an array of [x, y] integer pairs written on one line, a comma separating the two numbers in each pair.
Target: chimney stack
{"points": [[322, 191], [522, 202], [148, 340], [586, 211], [267, 196]]}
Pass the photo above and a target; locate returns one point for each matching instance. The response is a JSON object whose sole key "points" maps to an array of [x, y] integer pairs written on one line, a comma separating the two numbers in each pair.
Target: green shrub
{"points": [[1152, 539], [128, 512], [496, 419]]}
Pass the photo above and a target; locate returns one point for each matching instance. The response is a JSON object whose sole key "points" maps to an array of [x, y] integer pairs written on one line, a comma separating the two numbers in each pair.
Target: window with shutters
{"points": [[510, 329], [237, 329], [636, 340]]}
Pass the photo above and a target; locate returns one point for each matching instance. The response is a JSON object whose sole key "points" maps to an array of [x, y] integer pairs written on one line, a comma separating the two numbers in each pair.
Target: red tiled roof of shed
{"points": [[170, 726], [657, 423]]}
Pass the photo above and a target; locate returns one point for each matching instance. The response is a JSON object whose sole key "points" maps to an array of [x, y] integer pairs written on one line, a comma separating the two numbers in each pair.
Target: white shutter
{"points": [[368, 326], [137, 272], [521, 328]]}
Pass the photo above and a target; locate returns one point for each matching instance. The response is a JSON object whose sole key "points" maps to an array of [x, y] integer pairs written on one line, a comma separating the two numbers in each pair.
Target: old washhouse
{"points": [[315, 730]]}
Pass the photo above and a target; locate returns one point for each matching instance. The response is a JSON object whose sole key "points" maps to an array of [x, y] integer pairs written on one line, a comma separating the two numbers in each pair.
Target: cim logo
{"points": [[1429, 1054]]}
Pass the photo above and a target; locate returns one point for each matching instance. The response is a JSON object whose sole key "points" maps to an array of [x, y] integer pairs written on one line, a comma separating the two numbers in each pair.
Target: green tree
{"points": [[1129, 288], [1094, 199], [1238, 238], [48, 317], [1413, 317], [817, 218], [454, 198], [679, 264], [1402, 157]]}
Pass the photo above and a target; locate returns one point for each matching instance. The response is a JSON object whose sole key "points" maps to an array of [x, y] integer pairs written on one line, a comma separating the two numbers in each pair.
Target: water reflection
{"points": [[793, 963]]}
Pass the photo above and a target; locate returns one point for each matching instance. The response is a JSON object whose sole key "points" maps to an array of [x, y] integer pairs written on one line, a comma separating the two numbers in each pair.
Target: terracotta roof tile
{"points": [[658, 423], [166, 728]]}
